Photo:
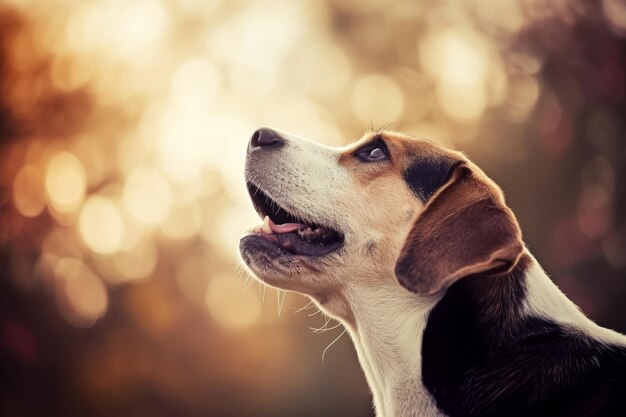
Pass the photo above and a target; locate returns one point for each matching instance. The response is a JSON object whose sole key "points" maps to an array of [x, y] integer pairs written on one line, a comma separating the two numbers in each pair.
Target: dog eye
{"points": [[373, 153]]}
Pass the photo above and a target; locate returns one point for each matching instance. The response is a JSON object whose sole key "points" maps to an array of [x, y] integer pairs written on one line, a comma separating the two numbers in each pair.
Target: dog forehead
{"points": [[408, 150]]}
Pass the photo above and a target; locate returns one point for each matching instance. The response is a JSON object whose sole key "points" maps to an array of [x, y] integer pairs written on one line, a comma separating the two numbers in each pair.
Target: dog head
{"points": [[387, 209]]}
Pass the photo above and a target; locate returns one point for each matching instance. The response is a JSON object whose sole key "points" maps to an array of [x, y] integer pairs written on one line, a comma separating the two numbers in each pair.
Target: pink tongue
{"points": [[284, 228]]}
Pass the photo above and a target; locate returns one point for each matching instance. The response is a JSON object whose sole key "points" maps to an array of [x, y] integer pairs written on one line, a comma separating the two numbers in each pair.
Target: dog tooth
{"points": [[265, 227]]}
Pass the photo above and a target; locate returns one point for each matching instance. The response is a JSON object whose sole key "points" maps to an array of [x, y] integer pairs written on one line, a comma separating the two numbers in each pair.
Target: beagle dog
{"points": [[413, 248]]}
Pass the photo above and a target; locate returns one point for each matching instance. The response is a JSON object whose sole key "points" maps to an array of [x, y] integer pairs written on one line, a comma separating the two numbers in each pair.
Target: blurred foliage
{"points": [[123, 128]]}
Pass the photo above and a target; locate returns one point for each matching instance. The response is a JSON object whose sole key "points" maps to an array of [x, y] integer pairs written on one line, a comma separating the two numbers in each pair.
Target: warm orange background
{"points": [[123, 128]]}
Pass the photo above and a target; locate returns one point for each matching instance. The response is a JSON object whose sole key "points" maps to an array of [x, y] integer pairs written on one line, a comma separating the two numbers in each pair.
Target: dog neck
{"points": [[387, 327], [387, 324]]}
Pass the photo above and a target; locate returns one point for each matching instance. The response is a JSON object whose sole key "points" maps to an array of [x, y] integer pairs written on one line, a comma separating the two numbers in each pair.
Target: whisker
{"points": [[325, 328], [332, 343], [322, 328], [307, 306], [385, 127], [234, 191], [248, 282], [281, 300]]}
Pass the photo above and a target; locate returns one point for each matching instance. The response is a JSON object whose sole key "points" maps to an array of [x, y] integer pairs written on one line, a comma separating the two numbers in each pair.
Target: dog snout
{"points": [[265, 138]]}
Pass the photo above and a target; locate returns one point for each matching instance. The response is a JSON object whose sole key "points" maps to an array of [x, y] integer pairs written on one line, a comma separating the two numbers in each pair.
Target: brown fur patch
{"points": [[466, 229]]}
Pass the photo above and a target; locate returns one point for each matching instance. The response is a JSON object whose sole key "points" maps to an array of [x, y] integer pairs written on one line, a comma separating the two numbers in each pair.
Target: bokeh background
{"points": [[123, 128]]}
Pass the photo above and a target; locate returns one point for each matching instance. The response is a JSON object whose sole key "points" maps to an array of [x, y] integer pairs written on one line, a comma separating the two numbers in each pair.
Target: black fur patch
{"points": [[481, 357], [427, 175]]}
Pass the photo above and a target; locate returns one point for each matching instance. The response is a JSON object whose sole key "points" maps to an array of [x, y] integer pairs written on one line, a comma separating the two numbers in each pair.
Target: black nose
{"points": [[265, 137]]}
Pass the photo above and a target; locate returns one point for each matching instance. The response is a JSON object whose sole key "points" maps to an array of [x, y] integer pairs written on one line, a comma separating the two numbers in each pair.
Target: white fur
{"points": [[387, 334], [545, 299]]}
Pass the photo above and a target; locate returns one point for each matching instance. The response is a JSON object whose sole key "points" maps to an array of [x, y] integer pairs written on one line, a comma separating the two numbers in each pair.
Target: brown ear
{"points": [[465, 229]]}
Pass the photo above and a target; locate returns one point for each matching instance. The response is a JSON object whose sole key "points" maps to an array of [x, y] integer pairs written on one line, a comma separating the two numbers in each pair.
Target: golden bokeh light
{"points": [[460, 63], [377, 100], [185, 137], [81, 296], [28, 191], [195, 85], [70, 74], [242, 43], [100, 225], [135, 264], [456, 58], [506, 16], [65, 182], [323, 69], [192, 278], [118, 28], [183, 222], [302, 116], [230, 306], [134, 231], [461, 102], [222, 234], [224, 152], [147, 195]]}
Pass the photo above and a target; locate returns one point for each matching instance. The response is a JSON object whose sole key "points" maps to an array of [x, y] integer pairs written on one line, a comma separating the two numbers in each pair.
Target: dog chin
{"points": [[277, 268], [267, 264]]}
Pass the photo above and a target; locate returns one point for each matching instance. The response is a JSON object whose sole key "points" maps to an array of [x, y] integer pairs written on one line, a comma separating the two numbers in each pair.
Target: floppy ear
{"points": [[465, 229]]}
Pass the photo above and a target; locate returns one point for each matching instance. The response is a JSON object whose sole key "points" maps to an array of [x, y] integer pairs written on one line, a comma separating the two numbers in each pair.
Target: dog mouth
{"points": [[292, 234]]}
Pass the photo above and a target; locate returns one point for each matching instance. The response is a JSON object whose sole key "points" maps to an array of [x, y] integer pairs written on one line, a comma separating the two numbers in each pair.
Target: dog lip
{"points": [[290, 242], [264, 242]]}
